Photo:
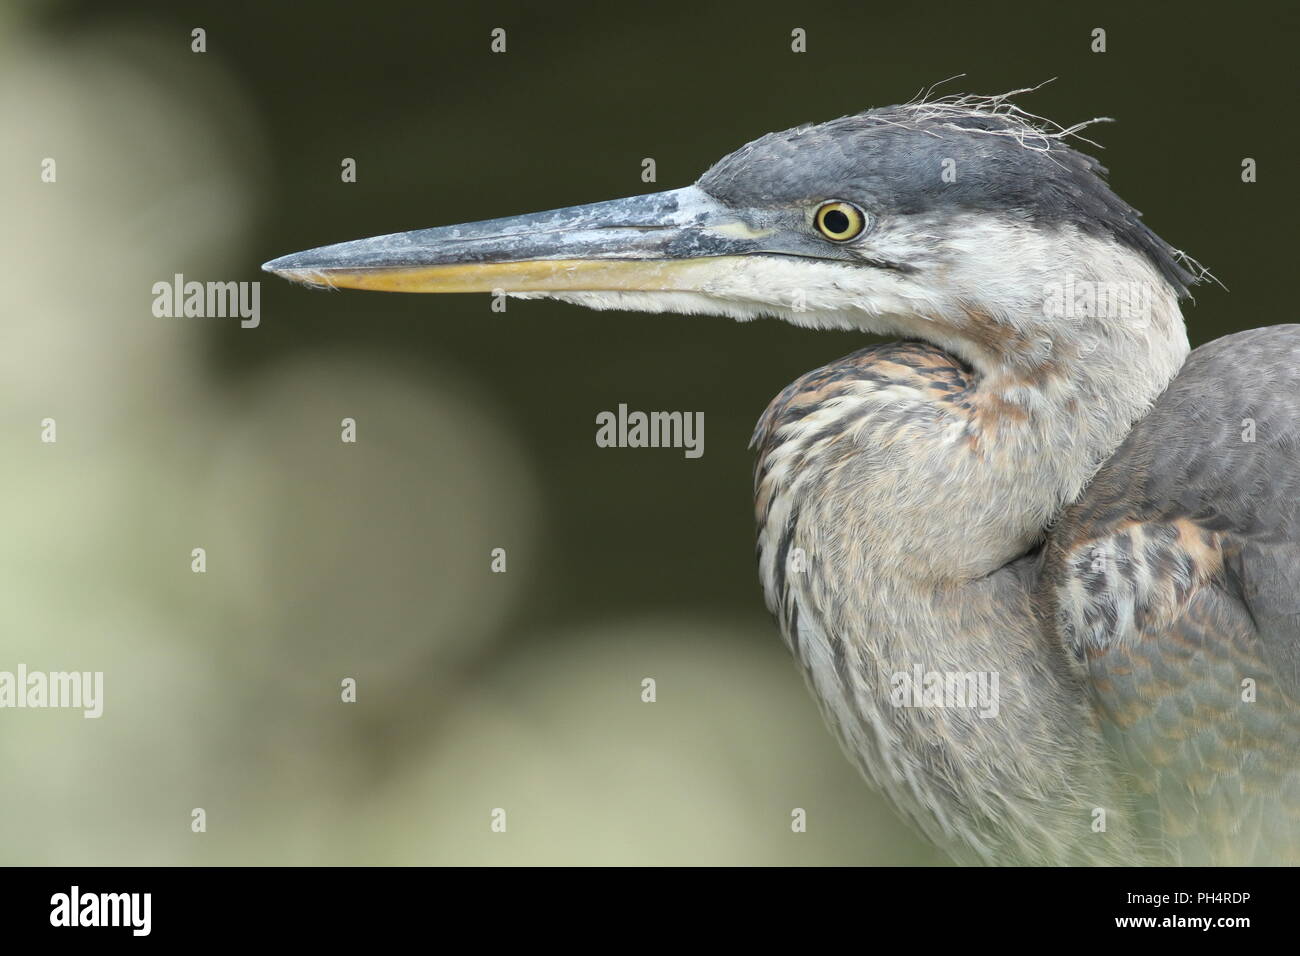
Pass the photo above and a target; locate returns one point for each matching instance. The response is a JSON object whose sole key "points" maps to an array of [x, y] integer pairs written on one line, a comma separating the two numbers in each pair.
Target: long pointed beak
{"points": [[660, 241]]}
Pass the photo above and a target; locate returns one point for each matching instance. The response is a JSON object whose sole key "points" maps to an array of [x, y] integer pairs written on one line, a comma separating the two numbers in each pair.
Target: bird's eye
{"points": [[840, 221]]}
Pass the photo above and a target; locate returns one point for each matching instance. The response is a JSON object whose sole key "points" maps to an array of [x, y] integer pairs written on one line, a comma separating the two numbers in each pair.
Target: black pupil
{"points": [[836, 221]]}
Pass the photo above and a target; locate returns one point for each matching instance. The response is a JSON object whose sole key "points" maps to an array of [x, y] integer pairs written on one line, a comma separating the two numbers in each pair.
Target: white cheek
{"points": [[682, 303], [804, 292]]}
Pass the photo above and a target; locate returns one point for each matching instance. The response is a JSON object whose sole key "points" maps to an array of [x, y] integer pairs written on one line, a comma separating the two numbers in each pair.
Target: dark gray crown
{"points": [[892, 159]]}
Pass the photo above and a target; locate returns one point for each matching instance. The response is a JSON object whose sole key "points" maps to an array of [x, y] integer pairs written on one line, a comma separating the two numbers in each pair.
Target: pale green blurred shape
{"points": [[325, 561], [589, 773]]}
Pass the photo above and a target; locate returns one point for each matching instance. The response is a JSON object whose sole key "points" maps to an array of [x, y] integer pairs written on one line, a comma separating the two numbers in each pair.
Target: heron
{"points": [[1034, 486]]}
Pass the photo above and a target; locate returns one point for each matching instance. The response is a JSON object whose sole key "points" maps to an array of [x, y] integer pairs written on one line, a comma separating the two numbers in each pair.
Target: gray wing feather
{"points": [[1175, 583]]}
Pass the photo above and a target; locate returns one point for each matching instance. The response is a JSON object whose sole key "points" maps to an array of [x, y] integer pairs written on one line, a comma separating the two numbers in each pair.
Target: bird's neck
{"points": [[897, 493], [1048, 422], [953, 457], [1051, 396]]}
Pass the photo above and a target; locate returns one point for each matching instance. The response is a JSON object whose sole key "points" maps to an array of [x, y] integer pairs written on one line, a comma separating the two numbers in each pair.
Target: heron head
{"points": [[963, 221]]}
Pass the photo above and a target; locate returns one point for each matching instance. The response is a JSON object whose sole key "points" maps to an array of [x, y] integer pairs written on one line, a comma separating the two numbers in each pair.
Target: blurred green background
{"points": [[476, 429]]}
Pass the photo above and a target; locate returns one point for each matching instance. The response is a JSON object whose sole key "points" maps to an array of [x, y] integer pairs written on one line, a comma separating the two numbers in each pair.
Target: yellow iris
{"points": [[840, 221]]}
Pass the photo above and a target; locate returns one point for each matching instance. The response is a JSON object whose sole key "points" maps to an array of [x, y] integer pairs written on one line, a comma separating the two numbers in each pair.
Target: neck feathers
{"points": [[952, 457], [895, 490]]}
